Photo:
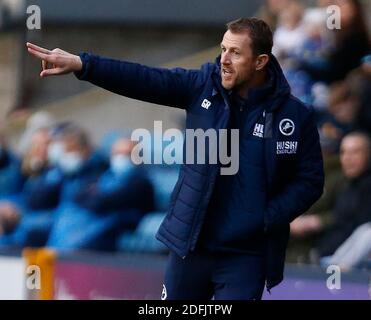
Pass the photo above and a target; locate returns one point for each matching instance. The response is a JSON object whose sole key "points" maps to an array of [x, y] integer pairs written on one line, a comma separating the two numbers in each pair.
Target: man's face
{"points": [[237, 61], [354, 156]]}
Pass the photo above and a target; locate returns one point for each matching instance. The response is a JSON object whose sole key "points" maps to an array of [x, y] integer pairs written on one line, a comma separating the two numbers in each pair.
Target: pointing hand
{"points": [[55, 62]]}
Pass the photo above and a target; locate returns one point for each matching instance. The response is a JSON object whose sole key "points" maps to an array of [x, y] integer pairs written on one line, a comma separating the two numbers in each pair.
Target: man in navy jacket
{"points": [[227, 234]]}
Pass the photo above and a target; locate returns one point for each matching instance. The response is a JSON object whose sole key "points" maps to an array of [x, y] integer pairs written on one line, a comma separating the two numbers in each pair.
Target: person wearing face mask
{"points": [[101, 210], [81, 167], [77, 160], [124, 187], [55, 149], [117, 201]]}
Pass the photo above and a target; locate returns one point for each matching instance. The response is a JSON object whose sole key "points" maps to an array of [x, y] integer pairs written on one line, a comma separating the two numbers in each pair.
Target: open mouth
{"points": [[227, 74]]}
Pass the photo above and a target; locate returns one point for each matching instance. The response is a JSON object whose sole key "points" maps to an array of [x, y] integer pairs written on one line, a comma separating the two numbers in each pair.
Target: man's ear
{"points": [[261, 62]]}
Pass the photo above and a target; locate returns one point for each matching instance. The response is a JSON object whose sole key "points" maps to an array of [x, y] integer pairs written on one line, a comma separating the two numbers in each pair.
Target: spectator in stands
{"points": [[349, 103], [315, 22], [40, 165], [75, 227], [350, 45], [353, 203], [41, 190], [55, 149], [78, 155], [38, 120], [124, 187], [11, 197], [35, 159], [302, 32], [289, 40], [290, 34], [342, 108], [317, 15], [40, 195]]}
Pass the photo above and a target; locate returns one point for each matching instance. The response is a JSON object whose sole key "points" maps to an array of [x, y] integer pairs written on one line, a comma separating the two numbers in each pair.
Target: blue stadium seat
{"points": [[143, 238], [75, 228]]}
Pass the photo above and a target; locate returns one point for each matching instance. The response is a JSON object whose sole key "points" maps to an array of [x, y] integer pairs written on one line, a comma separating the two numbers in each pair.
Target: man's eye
{"points": [[236, 53]]}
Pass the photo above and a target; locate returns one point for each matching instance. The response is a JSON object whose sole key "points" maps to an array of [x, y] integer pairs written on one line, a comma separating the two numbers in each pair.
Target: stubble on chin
{"points": [[228, 85]]}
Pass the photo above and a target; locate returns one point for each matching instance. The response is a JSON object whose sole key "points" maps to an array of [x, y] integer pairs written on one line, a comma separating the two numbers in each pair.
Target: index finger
{"points": [[40, 55], [37, 48]]}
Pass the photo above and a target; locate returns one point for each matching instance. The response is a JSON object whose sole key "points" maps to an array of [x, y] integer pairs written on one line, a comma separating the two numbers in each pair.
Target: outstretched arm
{"points": [[171, 87]]}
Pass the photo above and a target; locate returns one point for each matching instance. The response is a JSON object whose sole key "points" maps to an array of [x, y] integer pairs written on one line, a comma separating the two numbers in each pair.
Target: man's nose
{"points": [[225, 59]]}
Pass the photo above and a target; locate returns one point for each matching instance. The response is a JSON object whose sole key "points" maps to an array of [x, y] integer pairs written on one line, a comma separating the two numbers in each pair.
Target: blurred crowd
{"points": [[61, 192], [330, 69]]}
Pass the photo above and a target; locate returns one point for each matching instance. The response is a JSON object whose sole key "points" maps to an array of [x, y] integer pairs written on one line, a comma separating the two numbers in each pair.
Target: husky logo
{"points": [[287, 127], [287, 147], [258, 130], [206, 104], [164, 293]]}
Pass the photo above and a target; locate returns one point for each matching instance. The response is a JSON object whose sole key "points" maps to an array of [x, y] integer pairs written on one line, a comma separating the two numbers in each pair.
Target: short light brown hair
{"points": [[259, 32]]}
